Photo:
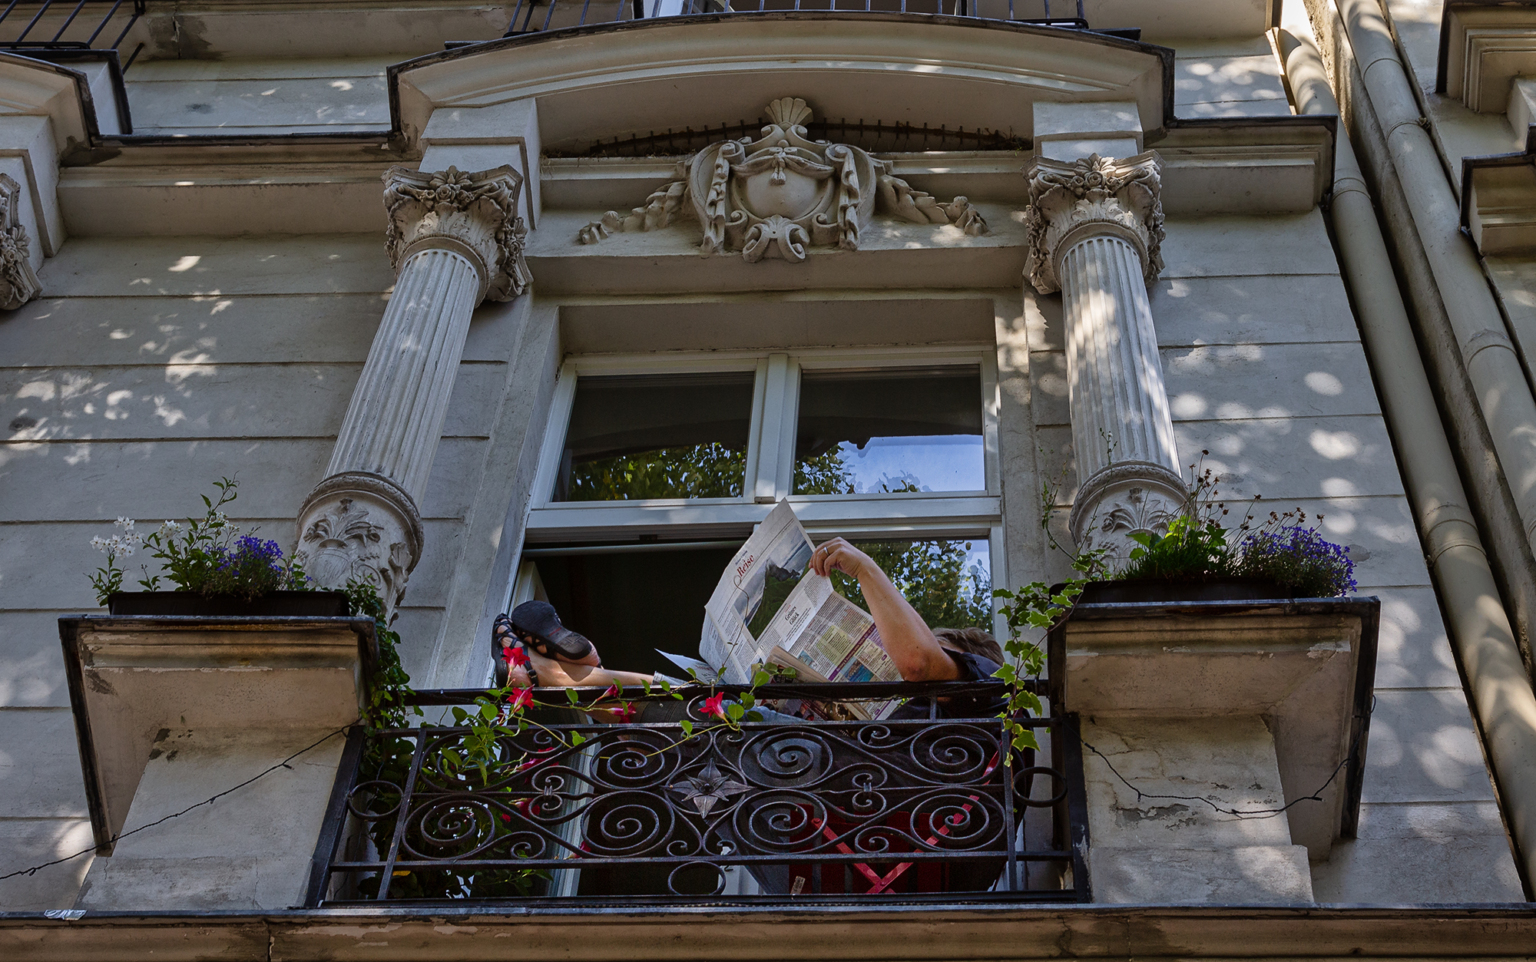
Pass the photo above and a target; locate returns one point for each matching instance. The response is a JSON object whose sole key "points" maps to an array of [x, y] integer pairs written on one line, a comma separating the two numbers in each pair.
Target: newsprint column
{"points": [[455, 240], [1095, 225]]}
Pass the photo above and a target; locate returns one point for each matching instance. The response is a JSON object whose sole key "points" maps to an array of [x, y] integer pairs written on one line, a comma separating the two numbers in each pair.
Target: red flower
{"points": [[626, 711], [516, 657], [715, 705], [520, 699], [612, 692], [505, 817]]}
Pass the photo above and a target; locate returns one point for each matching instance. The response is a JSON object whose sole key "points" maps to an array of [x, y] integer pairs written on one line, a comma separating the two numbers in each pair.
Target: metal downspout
{"points": [[1487, 352], [1501, 690]]}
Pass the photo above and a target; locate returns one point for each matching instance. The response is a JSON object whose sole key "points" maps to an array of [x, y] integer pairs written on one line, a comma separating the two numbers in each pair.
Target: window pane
{"points": [[673, 436], [869, 432], [949, 582]]}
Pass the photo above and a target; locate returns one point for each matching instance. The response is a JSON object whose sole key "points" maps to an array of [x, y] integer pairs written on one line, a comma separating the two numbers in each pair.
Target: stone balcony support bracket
{"points": [[1095, 231], [1195, 711], [133, 677], [455, 239]]}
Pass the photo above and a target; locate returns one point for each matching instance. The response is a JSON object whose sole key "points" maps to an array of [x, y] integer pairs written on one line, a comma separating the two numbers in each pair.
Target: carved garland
{"points": [[780, 193], [473, 213], [1120, 196]]}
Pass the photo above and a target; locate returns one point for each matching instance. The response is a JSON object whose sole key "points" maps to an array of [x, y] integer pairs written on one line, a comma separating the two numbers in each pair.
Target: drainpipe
{"points": [[1501, 690], [1487, 352]]}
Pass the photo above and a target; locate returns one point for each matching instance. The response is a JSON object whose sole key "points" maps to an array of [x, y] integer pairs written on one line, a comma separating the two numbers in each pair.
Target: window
{"points": [[655, 468]]}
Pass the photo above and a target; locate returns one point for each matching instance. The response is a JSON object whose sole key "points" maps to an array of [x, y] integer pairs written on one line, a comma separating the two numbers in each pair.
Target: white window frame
{"points": [[948, 515]]}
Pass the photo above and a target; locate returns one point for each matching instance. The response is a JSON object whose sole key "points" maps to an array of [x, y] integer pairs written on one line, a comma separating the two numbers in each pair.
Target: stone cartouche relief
{"points": [[780, 193], [474, 214], [18, 283], [1095, 230]]}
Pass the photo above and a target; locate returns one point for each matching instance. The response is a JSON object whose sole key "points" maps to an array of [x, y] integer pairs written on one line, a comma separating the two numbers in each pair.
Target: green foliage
{"points": [[1031, 612], [389, 689], [1191, 549], [933, 577], [824, 473], [208, 555], [710, 470]]}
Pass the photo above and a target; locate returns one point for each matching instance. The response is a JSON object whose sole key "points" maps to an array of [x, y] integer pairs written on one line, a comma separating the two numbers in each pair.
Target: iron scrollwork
{"points": [[815, 810]]}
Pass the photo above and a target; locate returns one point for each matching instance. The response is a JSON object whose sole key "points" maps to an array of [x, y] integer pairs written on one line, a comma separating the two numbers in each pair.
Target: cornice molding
{"points": [[606, 80], [996, 931], [1482, 49]]}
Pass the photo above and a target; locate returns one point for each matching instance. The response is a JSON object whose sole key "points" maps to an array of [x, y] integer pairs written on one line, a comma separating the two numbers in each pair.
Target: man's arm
{"points": [[911, 645]]}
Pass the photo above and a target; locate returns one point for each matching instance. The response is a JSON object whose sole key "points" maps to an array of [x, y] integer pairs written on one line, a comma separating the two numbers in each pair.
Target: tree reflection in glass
{"points": [[897, 430], [667, 436]]}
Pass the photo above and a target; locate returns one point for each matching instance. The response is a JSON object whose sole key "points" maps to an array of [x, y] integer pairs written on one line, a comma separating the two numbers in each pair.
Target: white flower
{"points": [[101, 544], [170, 528], [126, 524], [125, 547]]}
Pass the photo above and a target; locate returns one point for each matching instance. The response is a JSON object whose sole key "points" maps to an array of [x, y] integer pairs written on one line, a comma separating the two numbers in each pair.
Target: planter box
{"points": [[1159, 591], [291, 604], [1254, 703]]}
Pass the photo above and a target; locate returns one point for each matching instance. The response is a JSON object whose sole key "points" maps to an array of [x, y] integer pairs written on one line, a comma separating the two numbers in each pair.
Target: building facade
{"points": [[417, 274]]}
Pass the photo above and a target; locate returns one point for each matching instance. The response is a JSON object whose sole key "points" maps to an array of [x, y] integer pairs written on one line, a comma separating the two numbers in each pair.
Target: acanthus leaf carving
{"points": [[18, 282], [1094, 194], [474, 214], [775, 195], [1127, 498], [360, 527]]}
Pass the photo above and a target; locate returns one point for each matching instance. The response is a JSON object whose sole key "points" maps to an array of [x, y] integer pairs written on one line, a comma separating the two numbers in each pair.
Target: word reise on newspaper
{"points": [[771, 608]]}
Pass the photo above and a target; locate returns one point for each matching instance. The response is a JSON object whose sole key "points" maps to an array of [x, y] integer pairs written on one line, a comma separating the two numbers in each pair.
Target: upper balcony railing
{"points": [[536, 16], [691, 809], [66, 26]]}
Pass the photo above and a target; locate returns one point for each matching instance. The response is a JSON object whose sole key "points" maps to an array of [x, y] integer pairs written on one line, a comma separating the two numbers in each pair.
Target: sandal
{"points": [[539, 627], [504, 641]]}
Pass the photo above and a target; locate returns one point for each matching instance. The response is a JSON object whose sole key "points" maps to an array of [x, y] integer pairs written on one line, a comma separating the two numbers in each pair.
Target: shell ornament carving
{"points": [[781, 193]]}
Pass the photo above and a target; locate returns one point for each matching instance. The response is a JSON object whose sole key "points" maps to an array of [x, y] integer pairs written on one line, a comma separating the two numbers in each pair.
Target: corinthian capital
{"points": [[18, 284], [1093, 196], [471, 214]]}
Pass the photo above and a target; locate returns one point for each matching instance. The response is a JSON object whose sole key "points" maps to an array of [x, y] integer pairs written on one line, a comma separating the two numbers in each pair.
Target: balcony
{"points": [[537, 16], [572, 812]]}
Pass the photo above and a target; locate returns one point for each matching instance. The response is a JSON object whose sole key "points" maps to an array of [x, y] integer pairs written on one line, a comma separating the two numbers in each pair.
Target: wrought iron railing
{"points": [[933, 809], [536, 16], [68, 25]]}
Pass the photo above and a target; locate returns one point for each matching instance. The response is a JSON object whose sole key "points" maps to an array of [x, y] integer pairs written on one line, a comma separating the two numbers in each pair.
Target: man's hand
{"points": [[839, 554], [907, 639]]}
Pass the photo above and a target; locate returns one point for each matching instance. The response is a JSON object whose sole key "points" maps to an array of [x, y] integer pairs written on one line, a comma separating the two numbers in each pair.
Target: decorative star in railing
{"points": [[707, 788]]}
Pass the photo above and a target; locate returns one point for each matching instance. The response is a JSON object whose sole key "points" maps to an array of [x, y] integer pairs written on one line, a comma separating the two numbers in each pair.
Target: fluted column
{"points": [[454, 239], [1095, 229]]}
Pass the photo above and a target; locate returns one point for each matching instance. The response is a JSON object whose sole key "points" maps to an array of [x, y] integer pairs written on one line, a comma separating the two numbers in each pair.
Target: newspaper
{"points": [[770, 608]]}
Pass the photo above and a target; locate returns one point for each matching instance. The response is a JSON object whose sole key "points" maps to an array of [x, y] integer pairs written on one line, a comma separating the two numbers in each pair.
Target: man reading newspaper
{"points": [[775, 605]]}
